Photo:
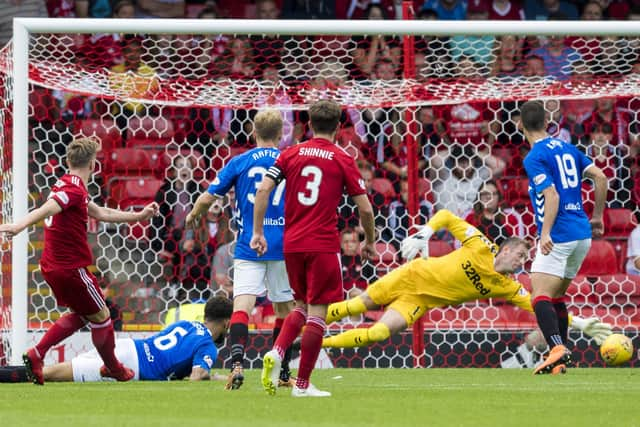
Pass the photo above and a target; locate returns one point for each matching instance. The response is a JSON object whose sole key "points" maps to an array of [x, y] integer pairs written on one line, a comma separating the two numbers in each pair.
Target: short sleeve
{"points": [[67, 196], [353, 180], [224, 181], [538, 173], [206, 356]]}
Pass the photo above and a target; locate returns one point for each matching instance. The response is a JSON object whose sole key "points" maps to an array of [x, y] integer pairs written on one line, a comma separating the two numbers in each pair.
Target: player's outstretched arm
{"points": [[105, 214], [198, 374], [202, 205], [368, 224], [600, 198], [258, 242], [50, 207], [592, 326]]}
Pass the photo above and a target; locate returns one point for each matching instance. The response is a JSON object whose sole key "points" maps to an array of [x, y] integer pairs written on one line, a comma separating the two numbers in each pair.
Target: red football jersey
{"points": [[65, 234], [317, 173]]}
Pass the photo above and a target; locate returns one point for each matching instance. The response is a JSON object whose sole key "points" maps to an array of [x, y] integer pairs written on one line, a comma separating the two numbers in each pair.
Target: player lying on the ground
{"points": [[478, 270], [182, 350]]}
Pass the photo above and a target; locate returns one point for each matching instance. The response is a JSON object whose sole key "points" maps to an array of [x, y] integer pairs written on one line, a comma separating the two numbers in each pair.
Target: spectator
{"points": [[534, 67], [222, 271], [456, 190], [237, 61], [476, 48], [447, 9], [267, 50], [347, 217], [609, 158], [558, 58], [508, 57], [506, 9], [94, 8], [21, 8], [308, 9], [175, 199], [399, 219], [61, 8], [160, 8], [633, 248], [370, 50], [542, 10], [355, 273], [606, 111], [490, 218]]}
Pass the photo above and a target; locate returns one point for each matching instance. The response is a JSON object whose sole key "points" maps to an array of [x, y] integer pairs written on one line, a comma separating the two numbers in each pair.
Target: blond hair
{"points": [[268, 125], [82, 151]]}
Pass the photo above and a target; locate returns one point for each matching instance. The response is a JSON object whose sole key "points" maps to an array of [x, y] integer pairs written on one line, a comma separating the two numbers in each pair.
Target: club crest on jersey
{"points": [[537, 180], [208, 361], [361, 184]]}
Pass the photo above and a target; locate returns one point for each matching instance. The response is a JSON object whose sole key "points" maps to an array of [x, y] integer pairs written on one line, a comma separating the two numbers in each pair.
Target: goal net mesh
{"points": [[171, 110]]}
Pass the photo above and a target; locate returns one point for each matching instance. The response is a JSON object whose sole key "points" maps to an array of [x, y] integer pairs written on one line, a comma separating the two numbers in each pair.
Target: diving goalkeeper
{"points": [[478, 270]]}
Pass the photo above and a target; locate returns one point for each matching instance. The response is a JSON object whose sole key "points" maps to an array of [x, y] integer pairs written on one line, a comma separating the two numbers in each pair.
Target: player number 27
{"points": [[277, 195], [165, 342], [568, 170], [313, 185]]}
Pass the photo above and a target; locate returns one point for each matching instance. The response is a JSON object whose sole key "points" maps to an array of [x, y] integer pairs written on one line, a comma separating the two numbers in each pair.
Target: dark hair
{"points": [[367, 11], [533, 116], [218, 308], [209, 10], [604, 127], [325, 116]]}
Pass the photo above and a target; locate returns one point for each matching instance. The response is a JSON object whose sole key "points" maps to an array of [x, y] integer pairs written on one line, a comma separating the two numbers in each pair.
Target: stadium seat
{"points": [[106, 130], [618, 222], [150, 127], [384, 187], [600, 260], [580, 291], [136, 191], [515, 189], [618, 290], [620, 246], [126, 162], [439, 248], [235, 151], [424, 190], [146, 143]]}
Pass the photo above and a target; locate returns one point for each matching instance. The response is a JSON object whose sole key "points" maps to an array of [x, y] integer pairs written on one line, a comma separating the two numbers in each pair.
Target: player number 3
{"points": [[313, 185]]}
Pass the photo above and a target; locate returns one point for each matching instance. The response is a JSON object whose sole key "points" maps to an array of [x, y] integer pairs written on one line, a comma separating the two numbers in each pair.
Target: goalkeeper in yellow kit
{"points": [[478, 270]]}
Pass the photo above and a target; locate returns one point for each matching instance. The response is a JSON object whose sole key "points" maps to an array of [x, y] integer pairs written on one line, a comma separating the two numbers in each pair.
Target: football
{"points": [[616, 349]]}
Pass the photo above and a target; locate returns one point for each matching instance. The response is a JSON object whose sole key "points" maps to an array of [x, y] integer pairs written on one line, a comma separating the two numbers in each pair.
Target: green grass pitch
{"points": [[361, 397]]}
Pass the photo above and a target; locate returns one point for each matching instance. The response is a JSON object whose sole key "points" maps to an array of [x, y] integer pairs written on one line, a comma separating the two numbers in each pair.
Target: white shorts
{"points": [[258, 277], [564, 260], [86, 366]]}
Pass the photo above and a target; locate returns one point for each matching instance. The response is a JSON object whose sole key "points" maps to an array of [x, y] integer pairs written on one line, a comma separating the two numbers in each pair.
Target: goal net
{"points": [[430, 114]]}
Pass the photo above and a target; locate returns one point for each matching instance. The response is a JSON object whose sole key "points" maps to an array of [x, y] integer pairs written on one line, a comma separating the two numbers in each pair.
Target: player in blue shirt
{"points": [[253, 275], [184, 349], [555, 169]]}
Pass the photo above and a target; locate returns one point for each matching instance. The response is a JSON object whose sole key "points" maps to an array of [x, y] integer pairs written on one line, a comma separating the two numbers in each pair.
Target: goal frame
{"points": [[24, 27]]}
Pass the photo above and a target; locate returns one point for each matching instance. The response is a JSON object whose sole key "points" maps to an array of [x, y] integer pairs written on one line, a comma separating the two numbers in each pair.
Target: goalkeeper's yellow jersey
{"points": [[466, 274]]}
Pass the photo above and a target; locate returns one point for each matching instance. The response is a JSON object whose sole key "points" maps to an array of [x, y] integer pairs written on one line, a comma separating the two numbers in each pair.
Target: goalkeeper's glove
{"points": [[418, 242], [593, 327]]}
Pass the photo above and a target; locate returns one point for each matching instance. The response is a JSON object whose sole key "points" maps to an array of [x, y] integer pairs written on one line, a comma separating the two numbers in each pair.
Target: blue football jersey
{"points": [[174, 351], [246, 172], [552, 161]]}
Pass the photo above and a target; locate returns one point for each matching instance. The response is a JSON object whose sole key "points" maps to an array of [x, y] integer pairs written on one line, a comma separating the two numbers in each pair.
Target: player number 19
{"points": [[568, 170], [165, 342]]}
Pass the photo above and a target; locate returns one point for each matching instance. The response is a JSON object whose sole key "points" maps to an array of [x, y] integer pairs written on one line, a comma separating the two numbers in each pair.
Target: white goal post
{"points": [[23, 28]]}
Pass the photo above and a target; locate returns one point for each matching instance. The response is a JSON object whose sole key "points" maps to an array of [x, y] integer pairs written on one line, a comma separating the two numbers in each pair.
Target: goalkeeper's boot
{"points": [[559, 369], [122, 374], [559, 355], [34, 365], [310, 391], [270, 371], [286, 380], [236, 377]]}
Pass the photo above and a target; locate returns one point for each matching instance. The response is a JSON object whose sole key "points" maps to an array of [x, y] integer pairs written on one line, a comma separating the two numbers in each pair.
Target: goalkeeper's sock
{"points": [[104, 339], [13, 374], [358, 337], [310, 349], [342, 309], [291, 328], [238, 335], [547, 320], [63, 328], [563, 318]]}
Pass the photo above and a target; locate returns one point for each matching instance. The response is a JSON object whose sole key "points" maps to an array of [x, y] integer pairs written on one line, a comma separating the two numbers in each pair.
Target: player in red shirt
{"points": [[317, 173], [65, 258]]}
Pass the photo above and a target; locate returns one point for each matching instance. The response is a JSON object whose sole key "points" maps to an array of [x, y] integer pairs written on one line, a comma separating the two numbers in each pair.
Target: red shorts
{"points": [[77, 289], [315, 277]]}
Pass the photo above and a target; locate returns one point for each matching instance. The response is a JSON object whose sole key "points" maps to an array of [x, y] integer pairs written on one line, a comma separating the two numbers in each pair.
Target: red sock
{"points": [[310, 349], [291, 327], [64, 327], [104, 340]]}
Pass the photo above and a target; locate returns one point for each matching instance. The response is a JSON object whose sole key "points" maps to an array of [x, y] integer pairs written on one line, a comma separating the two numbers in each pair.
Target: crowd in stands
{"points": [[470, 154]]}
